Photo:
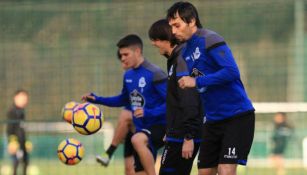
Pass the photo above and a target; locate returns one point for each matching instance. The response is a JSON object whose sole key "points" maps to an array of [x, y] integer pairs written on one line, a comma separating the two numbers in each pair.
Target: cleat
{"points": [[103, 159]]}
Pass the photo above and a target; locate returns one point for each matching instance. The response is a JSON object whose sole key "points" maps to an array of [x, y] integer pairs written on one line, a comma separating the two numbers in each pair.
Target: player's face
{"points": [[183, 31], [163, 46], [128, 57], [21, 100]]}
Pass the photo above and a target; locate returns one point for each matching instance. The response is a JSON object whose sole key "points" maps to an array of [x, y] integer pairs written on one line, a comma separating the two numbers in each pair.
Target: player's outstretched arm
{"points": [[114, 101]]}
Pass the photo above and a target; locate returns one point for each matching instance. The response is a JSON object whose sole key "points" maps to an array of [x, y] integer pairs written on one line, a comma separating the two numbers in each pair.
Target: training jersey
{"points": [[217, 76], [183, 106], [143, 87], [15, 117]]}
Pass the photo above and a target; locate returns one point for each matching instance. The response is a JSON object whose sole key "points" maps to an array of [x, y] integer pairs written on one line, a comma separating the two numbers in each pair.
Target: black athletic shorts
{"points": [[227, 142], [155, 135], [128, 147], [172, 162]]}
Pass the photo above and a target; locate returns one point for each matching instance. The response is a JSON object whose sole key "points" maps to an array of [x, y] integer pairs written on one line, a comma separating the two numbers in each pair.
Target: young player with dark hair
{"points": [[144, 90], [184, 114], [229, 119]]}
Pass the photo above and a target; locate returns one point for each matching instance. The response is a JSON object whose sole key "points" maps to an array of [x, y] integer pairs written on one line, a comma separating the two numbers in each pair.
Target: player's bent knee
{"points": [[139, 139]]}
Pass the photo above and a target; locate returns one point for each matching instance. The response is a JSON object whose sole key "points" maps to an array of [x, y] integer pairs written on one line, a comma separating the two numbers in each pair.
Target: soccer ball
{"points": [[67, 110], [87, 118], [70, 151]]}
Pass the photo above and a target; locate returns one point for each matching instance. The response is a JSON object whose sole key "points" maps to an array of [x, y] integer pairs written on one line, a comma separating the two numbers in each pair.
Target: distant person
{"points": [[16, 133], [281, 135]]}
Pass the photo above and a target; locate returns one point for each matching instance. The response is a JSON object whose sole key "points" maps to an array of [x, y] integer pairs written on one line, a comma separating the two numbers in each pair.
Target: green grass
{"points": [[52, 167]]}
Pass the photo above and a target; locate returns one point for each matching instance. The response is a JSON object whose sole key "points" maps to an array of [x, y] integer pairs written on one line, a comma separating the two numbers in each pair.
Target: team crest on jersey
{"points": [[142, 82], [196, 53], [136, 99]]}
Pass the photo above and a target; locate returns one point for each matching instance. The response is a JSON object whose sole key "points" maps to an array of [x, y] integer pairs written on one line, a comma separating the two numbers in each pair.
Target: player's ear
{"points": [[192, 23], [138, 50]]}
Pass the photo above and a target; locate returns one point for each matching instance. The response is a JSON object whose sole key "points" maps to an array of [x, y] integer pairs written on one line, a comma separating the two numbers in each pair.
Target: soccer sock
{"points": [[111, 150]]}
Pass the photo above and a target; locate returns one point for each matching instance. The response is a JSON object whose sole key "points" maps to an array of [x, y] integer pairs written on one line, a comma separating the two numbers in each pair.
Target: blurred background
{"points": [[59, 50]]}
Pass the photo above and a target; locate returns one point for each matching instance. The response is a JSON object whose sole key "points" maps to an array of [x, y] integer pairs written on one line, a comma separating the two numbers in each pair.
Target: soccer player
{"points": [[15, 131], [184, 112], [144, 89], [229, 119]]}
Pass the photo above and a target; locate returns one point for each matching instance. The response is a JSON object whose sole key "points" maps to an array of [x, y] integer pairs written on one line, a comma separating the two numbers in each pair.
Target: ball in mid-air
{"points": [[70, 151], [87, 118], [67, 110]]}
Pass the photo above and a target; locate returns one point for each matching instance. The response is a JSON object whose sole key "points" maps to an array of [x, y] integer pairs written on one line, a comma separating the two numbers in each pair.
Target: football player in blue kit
{"points": [[229, 120], [144, 90]]}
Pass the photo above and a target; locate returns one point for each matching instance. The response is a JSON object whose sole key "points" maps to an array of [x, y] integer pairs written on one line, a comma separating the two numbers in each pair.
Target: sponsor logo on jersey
{"points": [[136, 100], [187, 58], [128, 81]]}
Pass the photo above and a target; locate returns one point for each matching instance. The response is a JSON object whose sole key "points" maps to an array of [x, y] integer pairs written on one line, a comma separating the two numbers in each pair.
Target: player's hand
{"points": [[139, 112], [187, 148], [88, 97], [187, 82]]}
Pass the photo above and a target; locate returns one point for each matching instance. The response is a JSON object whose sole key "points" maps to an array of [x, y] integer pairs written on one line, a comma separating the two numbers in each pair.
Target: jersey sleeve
{"points": [[219, 51], [114, 101]]}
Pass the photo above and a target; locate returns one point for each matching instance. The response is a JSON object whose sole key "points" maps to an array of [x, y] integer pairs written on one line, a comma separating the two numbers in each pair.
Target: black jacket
{"points": [[184, 110]]}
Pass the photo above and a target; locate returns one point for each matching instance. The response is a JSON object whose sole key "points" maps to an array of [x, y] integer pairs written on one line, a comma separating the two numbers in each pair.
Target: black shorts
{"points": [[128, 147], [227, 142], [155, 135], [172, 162]]}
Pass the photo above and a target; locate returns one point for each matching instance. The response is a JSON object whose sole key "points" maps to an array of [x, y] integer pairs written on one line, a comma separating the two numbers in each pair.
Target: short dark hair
{"points": [[130, 40], [186, 12], [18, 91], [161, 30]]}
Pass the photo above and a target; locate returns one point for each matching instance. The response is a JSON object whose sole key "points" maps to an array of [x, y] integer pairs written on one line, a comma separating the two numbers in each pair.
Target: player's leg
{"points": [[208, 157], [236, 143], [128, 155], [129, 165], [172, 162], [122, 128], [140, 143], [25, 155], [15, 164]]}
